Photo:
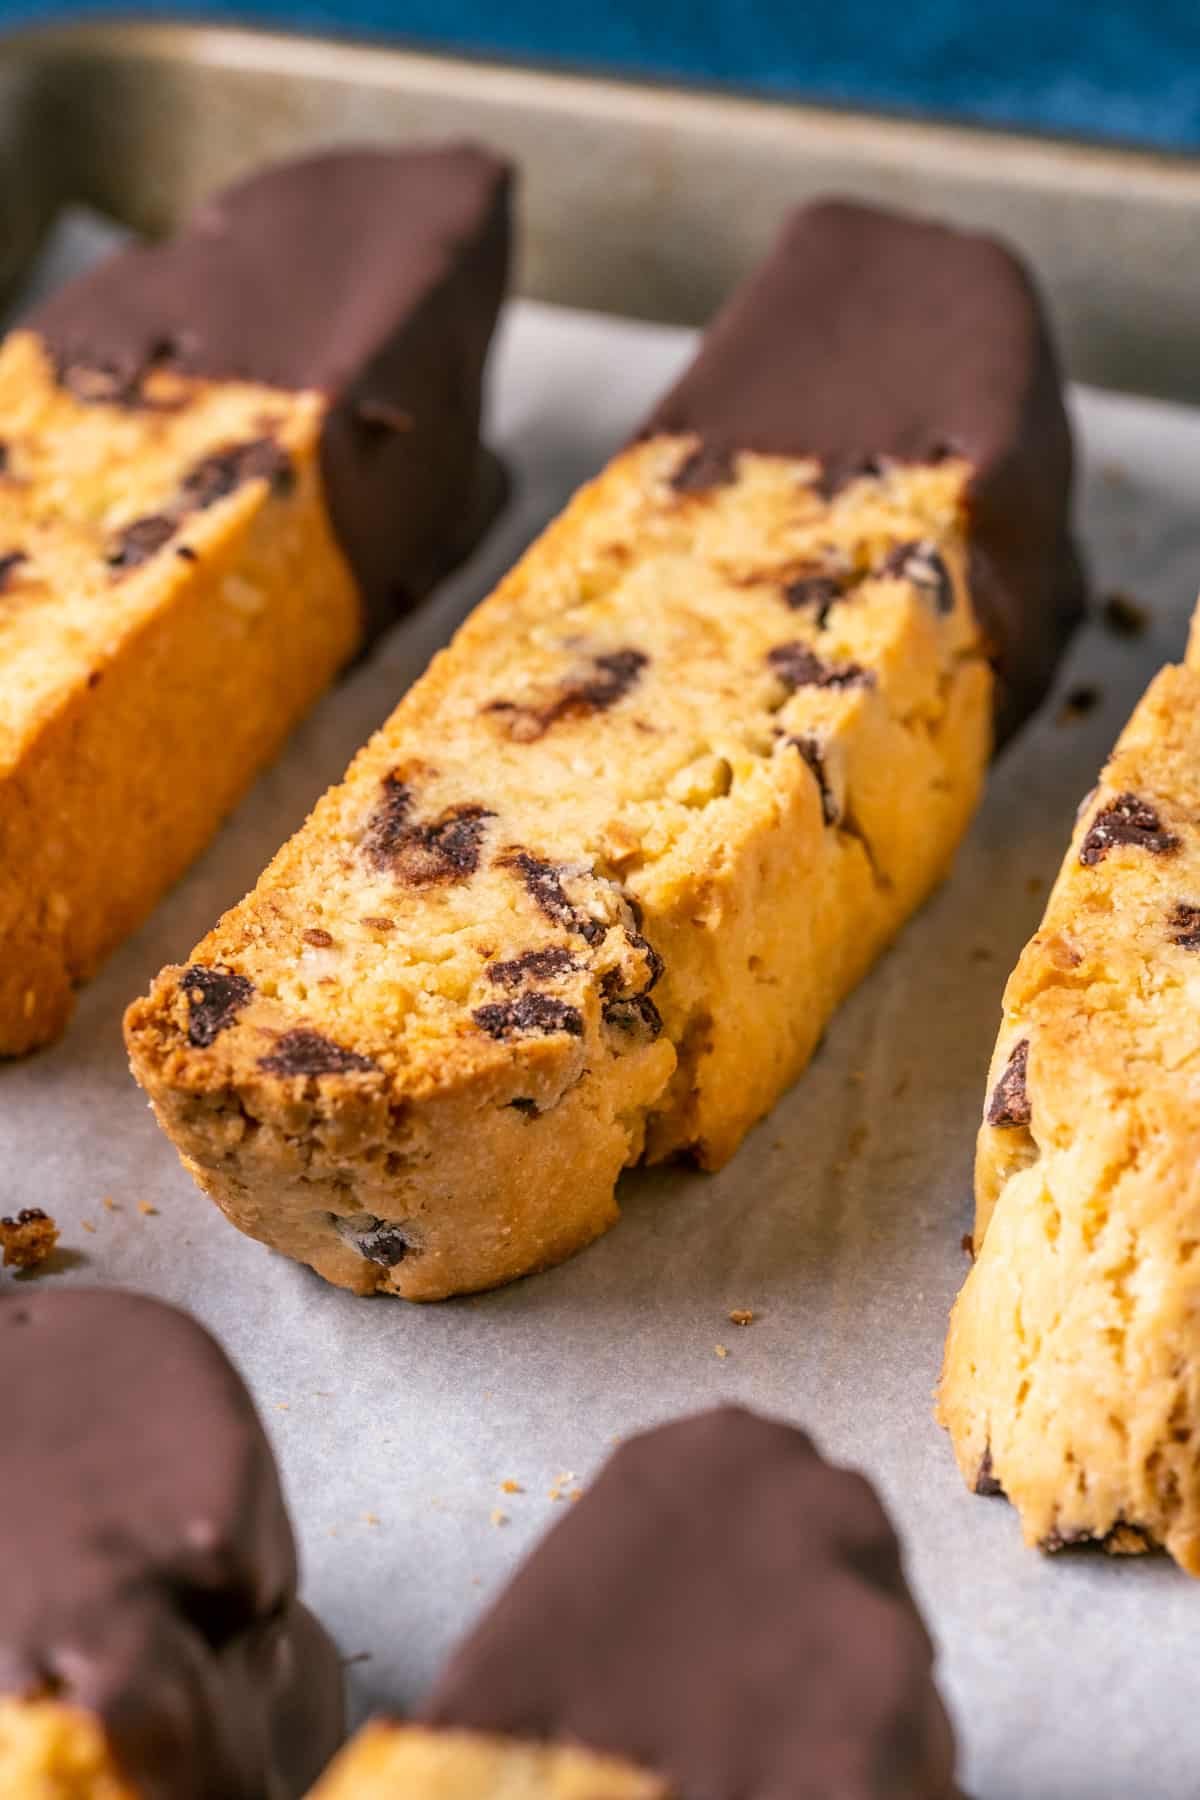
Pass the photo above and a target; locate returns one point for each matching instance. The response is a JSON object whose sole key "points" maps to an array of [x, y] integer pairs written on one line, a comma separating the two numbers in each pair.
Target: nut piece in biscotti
{"points": [[1072, 1369], [404, 1762], [224, 461], [596, 887], [725, 1610], [151, 1641]]}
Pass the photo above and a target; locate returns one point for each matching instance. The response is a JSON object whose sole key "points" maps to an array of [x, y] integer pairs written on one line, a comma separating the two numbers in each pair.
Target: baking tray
{"points": [[839, 1221]]}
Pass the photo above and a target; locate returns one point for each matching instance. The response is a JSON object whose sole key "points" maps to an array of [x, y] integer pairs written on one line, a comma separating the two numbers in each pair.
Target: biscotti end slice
{"points": [[1072, 1376], [151, 1641], [405, 1762], [222, 460], [596, 888]]}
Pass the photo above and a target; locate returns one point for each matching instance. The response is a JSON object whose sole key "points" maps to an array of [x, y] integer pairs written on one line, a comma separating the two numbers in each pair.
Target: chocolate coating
{"points": [[727, 1610], [147, 1566], [373, 276], [869, 336]]}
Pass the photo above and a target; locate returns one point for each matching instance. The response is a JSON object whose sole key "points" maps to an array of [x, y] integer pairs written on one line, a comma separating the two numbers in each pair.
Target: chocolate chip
{"points": [[636, 1013], [543, 882], [840, 472], [1185, 925], [1009, 1106], [423, 855], [531, 1013], [1126, 820], [811, 751], [318, 937], [708, 466], [378, 1240], [1124, 616], [612, 675], [187, 554], [224, 471], [922, 564], [819, 592], [797, 666], [985, 1481], [303, 1052], [654, 962], [3, 457], [214, 997], [28, 1215], [1078, 702], [524, 1105], [9, 565], [141, 540], [532, 965]]}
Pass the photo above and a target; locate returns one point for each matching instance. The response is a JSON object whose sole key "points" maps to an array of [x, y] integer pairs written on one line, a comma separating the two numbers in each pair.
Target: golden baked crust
{"points": [[732, 737], [143, 687], [1071, 1378], [54, 1752], [402, 1762]]}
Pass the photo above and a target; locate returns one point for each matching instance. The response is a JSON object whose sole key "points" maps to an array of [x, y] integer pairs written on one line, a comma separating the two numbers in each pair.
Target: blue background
{"points": [[1123, 69]]}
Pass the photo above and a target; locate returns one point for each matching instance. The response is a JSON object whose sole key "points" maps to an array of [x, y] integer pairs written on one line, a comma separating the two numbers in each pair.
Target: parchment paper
{"points": [[839, 1222]]}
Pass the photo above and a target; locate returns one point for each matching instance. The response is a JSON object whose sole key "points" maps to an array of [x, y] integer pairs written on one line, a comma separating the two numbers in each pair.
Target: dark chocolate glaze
{"points": [[869, 336], [374, 276], [727, 1610], [147, 1565]]}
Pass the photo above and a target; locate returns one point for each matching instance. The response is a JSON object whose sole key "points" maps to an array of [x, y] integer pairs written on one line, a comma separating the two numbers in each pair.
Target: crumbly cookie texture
{"points": [[404, 1762], [597, 886], [1071, 1379], [172, 601], [54, 1752]]}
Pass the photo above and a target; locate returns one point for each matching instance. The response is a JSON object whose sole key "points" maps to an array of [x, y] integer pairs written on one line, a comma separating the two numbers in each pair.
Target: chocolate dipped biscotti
{"points": [[151, 1643], [225, 461], [1072, 1370], [723, 1616], [595, 889]]}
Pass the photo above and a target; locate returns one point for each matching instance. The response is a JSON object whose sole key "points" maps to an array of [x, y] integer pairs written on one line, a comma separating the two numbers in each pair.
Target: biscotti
{"points": [[151, 1643], [596, 887], [224, 462], [724, 1610], [1072, 1370]]}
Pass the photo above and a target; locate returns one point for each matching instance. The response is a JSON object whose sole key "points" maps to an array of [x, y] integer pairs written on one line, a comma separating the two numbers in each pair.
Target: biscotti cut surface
{"points": [[223, 460], [596, 887], [1072, 1374], [54, 1752], [403, 1762], [172, 603]]}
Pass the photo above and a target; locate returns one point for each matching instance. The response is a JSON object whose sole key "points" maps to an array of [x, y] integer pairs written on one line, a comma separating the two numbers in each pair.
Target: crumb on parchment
{"points": [[28, 1238], [144, 1206], [741, 1315]]}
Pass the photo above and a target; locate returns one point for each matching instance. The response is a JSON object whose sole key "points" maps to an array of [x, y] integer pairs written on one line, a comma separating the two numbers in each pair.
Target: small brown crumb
{"points": [[144, 1206], [1124, 616], [741, 1315], [86, 1225], [28, 1239], [318, 937], [1078, 702], [721, 1351], [968, 1245], [511, 1487], [185, 553], [377, 923], [109, 1204], [554, 1493], [283, 1406], [370, 1518], [498, 1517]]}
